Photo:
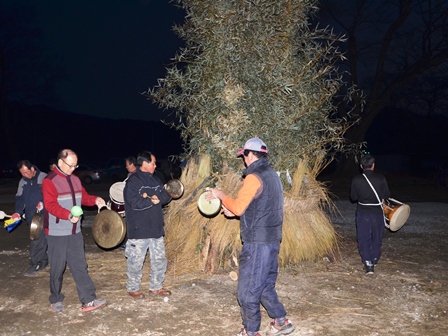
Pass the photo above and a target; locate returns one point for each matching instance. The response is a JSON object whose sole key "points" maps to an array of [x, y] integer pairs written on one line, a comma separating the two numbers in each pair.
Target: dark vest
{"points": [[262, 221]]}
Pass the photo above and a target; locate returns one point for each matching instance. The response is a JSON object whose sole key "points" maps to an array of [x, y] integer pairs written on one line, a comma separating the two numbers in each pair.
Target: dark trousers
{"points": [[369, 233], [69, 250], [38, 250], [256, 284]]}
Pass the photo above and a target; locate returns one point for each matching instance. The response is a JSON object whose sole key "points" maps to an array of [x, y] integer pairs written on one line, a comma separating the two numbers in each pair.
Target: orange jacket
{"points": [[252, 187]]}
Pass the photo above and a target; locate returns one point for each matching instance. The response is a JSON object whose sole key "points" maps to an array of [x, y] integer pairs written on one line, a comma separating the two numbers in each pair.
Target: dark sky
{"points": [[111, 50]]}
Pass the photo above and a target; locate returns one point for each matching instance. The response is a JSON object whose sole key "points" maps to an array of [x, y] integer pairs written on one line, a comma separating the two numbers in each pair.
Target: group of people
{"points": [[259, 204], [62, 243]]}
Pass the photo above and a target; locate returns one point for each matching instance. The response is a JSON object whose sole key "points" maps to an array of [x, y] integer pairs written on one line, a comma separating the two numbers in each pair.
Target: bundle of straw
{"points": [[197, 243]]}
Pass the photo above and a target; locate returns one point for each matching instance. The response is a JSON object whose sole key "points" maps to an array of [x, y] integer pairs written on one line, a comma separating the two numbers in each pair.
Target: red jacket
{"points": [[61, 192]]}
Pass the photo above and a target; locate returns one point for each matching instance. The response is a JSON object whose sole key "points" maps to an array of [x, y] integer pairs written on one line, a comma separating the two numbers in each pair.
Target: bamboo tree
{"points": [[255, 68]]}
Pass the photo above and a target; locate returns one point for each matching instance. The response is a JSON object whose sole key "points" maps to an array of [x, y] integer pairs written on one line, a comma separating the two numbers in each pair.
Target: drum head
{"points": [[116, 192], [209, 207], [108, 229], [37, 225], [399, 217], [174, 188]]}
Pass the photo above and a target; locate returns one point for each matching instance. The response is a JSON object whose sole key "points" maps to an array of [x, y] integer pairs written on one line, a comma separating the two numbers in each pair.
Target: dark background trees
{"points": [[393, 50]]}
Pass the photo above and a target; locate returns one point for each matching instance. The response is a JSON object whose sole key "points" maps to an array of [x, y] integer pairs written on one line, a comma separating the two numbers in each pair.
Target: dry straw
{"points": [[197, 243]]}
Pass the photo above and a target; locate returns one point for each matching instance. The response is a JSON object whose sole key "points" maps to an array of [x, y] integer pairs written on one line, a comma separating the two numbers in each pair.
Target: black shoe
{"points": [[375, 262], [32, 271], [42, 266], [369, 269]]}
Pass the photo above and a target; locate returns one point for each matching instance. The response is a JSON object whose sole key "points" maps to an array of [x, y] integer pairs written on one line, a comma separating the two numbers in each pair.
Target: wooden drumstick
{"points": [[3, 215]]}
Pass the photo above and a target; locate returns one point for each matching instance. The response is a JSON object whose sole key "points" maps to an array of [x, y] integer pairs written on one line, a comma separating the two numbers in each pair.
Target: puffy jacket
{"points": [[263, 219], [61, 192]]}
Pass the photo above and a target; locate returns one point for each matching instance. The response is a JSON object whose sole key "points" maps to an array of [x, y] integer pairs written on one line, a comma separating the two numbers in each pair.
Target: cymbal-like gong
{"points": [[174, 188], [37, 226], [108, 229]]}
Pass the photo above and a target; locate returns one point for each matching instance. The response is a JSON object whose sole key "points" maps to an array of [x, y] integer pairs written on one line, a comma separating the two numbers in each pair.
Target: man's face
{"points": [[27, 173], [69, 164], [130, 167], [248, 159], [149, 167]]}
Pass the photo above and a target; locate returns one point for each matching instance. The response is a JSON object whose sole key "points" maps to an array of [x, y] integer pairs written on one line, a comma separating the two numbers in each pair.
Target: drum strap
{"points": [[377, 197], [376, 194]]}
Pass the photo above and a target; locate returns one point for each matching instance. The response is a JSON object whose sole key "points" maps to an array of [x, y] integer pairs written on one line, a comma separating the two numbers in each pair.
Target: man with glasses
{"points": [[61, 191]]}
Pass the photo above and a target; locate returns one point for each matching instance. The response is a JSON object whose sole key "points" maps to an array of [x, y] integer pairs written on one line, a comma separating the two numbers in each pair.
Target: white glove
{"points": [[2, 214]]}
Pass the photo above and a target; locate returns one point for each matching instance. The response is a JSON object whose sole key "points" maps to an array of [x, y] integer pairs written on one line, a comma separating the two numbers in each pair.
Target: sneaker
{"points": [[41, 266], [369, 269], [92, 305], [243, 332], [32, 271], [57, 307], [285, 329]]}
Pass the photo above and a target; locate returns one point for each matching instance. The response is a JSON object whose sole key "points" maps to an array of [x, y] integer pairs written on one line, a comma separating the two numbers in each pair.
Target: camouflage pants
{"points": [[136, 252]]}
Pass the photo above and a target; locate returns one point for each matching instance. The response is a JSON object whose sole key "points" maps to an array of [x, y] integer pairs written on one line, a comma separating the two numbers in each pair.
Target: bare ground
{"points": [[406, 296]]}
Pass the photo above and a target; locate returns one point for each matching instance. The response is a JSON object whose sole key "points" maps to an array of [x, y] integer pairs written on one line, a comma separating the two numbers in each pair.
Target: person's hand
{"points": [[214, 193], [2, 214], [74, 219], [15, 216], [155, 199], [40, 206], [100, 203]]}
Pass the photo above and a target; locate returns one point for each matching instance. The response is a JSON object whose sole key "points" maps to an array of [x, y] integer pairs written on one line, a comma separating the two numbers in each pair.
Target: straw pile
{"points": [[197, 243]]}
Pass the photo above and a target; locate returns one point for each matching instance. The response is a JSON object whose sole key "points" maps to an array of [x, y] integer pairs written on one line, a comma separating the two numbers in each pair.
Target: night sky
{"points": [[111, 51]]}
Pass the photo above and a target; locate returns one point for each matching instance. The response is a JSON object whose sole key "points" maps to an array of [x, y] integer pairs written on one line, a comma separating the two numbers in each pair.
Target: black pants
{"points": [[369, 233], [38, 250], [69, 250]]}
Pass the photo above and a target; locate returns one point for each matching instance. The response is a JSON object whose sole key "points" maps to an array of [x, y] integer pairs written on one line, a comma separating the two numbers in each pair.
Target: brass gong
{"points": [[175, 188], [36, 226], [108, 229]]}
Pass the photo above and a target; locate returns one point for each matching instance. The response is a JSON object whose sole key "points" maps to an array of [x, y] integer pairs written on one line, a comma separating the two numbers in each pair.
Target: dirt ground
{"points": [[407, 295]]}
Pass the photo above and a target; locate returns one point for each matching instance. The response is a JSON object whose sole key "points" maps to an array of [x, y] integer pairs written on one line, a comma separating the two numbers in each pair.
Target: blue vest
{"points": [[262, 221]]}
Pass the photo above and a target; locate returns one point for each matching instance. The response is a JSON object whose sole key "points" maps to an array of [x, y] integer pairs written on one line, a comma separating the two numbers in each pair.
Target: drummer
{"points": [[131, 165], [369, 212], [28, 199]]}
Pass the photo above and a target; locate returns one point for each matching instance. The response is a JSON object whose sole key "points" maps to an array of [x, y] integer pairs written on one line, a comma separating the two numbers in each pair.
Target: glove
{"points": [[2, 214], [16, 216], [40, 206]]}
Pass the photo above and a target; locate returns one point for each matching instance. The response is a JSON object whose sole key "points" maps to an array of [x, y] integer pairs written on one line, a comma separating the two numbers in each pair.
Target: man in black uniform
{"points": [[369, 189]]}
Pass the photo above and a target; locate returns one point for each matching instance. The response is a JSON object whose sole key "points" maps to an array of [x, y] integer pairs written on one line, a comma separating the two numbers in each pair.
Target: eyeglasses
{"points": [[70, 166]]}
